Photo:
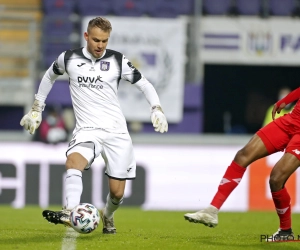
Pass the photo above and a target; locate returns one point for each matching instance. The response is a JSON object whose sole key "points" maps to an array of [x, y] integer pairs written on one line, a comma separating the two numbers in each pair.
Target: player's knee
{"points": [[240, 154], [69, 164], [276, 182], [117, 195], [72, 164], [241, 157], [76, 161]]}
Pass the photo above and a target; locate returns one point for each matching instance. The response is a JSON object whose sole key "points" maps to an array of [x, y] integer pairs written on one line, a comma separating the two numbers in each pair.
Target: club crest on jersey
{"points": [[104, 66]]}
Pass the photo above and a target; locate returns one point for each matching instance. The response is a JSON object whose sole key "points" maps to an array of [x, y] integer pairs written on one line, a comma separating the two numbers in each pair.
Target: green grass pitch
{"points": [[138, 229]]}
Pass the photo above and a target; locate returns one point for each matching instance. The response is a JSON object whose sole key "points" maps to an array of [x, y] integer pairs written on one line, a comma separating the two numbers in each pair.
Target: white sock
{"points": [[111, 206], [73, 187]]}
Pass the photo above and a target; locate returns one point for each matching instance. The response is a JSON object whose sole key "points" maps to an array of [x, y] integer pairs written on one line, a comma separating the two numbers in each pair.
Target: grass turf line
{"points": [[24, 229]]}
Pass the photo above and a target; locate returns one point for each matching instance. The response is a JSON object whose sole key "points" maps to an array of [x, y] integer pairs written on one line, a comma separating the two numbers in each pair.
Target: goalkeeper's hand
{"points": [[158, 119], [33, 119]]}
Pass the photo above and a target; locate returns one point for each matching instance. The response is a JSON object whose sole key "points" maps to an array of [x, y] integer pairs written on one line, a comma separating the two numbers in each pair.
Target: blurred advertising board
{"points": [[169, 177], [250, 40], [156, 47]]}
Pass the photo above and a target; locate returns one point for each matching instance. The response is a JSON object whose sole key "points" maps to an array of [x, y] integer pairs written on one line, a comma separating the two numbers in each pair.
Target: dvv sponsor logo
{"points": [[90, 82], [89, 79]]}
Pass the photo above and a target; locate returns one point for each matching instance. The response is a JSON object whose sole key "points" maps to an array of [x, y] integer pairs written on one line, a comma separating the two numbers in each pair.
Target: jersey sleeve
{"points": [[129, 72], [58, 66], [54, 71], [149, 91]]}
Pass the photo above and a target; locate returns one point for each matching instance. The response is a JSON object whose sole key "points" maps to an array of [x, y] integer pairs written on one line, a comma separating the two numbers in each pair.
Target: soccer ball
{"points": [[85, 218]]}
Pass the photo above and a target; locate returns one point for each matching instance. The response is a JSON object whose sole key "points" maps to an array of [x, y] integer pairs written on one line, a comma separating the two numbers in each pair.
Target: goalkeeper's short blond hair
{"points": [[100, 22]]}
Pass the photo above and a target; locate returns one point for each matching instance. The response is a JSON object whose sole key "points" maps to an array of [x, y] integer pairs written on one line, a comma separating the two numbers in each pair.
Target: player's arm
{"points": [[32, 120], [131, 74], [158, 118], [291, 97]]}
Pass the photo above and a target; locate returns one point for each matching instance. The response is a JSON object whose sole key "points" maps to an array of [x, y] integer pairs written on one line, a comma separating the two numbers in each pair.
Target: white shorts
{"points": [[115, 149]]}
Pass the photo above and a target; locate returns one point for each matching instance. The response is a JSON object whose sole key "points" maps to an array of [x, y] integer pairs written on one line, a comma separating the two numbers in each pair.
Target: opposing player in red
{"points": [[282, 134]]}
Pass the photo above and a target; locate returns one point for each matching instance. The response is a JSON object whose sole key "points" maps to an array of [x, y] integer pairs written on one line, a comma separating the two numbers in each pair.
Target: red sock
{"points": [[231, 179], [282, 202]]}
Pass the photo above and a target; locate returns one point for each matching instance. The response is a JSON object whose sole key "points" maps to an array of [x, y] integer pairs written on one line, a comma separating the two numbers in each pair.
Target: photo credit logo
{"points": [[271, 238]]}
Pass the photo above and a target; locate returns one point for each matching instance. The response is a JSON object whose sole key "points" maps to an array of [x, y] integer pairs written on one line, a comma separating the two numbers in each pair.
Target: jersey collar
{"points": [[89, 55]]}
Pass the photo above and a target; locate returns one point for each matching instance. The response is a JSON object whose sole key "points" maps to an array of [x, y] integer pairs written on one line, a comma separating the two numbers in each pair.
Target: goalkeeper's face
{"points": [[97, 41]]}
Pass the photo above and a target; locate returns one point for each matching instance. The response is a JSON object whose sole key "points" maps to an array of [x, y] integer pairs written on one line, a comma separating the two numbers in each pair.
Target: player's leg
{"points": [[253, 150], [113, 201], [120, 166], [283, 169], [78, 158], [75, 164], [259, 146]]}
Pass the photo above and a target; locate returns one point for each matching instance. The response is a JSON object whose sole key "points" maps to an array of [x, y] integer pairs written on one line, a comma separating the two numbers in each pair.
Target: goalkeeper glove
{"points": [[32, 120], [158, 119]]}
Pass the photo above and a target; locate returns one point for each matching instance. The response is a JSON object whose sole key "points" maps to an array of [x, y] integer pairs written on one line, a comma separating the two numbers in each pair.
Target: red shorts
{"points": [[282, 134]]}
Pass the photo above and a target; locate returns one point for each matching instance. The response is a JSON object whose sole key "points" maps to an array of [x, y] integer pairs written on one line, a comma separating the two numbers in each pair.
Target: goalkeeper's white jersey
{"points": [[93, 87]]}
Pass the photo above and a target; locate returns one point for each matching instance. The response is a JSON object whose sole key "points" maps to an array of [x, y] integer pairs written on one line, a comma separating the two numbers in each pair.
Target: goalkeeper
{"points": [[282, 134], [94, 74]]}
